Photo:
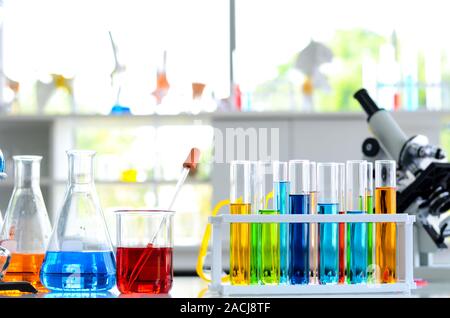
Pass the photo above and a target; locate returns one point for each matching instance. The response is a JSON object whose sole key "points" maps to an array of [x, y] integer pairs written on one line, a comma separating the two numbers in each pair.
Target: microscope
{"points": [[423, 176]]}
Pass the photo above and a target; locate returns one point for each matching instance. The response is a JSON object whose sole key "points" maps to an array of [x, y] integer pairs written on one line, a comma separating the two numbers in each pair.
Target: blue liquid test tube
{"points": [[356, 187], [281, 198], [299, 171], [328, 203]]}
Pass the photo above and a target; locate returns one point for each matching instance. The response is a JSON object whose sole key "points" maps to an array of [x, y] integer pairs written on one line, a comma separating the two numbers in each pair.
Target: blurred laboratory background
{"points": [[141, 82]]}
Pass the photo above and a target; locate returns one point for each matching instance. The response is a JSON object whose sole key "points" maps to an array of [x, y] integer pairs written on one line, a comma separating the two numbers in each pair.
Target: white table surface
{"points": [[194, 287]]}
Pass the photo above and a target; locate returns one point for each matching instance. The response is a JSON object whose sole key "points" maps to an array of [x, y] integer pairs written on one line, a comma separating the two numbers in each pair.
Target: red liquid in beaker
{"points": [[144, 270]]}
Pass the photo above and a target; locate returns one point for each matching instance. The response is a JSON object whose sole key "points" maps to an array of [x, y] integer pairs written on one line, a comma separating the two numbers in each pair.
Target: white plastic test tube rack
{"points": [[405, 280]]}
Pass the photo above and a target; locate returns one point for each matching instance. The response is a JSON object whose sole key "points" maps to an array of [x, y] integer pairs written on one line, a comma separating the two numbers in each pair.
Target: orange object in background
{"points": [[162, 87], [307, 86], [397, 101], [197, 90], [25, 267], [162, 84]]}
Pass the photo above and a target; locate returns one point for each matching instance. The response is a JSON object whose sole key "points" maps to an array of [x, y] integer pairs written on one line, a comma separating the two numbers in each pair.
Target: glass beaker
{"points": [[26, 229], [144, 251], [79, 256]]}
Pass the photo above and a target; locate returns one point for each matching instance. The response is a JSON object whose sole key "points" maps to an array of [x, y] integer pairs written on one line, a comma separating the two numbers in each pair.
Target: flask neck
{"points": [[81, 167], [27, 171]]}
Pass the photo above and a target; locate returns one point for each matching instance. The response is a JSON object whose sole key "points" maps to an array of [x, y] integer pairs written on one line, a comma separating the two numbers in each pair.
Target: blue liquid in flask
{"points": [[299, 241], [328, 246], [357, 244], [281, 190], [79, 271]]}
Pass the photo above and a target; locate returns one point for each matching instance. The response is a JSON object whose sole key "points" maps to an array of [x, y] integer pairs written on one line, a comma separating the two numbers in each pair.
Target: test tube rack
{"points": [[405, 281]]}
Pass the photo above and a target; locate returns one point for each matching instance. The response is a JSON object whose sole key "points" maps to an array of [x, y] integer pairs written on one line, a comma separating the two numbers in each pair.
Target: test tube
{"points": [[240, 203], [270, 246], [356, 185], [342, 226], [299, 173], [385, 203], [328, 203], [281, 197], [370, 226], [314, 250], [255, 228]]}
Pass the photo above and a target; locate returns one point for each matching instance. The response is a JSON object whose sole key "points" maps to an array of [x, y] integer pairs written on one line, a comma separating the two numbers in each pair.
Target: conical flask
{"points": [[79, 255], [26, 228]]}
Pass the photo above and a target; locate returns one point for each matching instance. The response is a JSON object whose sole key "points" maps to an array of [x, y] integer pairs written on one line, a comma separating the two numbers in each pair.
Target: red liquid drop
{"points": [[156, 275]]}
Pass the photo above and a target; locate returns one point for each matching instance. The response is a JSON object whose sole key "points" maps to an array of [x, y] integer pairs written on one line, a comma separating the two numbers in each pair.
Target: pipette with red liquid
{"points": [[189, 164]]}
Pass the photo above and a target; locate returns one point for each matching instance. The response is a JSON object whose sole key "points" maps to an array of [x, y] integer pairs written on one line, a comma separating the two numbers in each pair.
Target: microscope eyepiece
{"points": [[367, 103]]}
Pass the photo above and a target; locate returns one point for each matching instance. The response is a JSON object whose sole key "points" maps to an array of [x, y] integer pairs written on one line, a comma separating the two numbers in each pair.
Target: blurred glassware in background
{"points": [[162, 84], [2, 166], [117, 79], [309, 61], [55, 94], [26, 228], [32, 55]]}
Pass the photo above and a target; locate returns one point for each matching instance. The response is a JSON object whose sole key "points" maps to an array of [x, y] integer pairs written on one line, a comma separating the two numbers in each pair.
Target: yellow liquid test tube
{"points": [[314, 227], [386, 235], [240, 247], [240, 198], [314, 237]]}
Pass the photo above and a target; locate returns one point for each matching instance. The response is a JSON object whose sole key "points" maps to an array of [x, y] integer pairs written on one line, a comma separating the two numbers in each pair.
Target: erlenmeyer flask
{"points": [[79, 256], [26, 228]]}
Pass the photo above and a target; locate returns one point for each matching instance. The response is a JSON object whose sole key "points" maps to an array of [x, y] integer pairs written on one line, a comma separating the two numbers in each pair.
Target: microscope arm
{"points": [[382, 125]]}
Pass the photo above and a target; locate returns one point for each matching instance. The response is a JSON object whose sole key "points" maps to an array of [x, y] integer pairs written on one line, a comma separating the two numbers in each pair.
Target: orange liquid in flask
{"points": [[25, 267]]}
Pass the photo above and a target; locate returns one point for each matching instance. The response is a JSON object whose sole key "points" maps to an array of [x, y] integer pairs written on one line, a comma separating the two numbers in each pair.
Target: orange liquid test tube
{"points": [[386, 235]]}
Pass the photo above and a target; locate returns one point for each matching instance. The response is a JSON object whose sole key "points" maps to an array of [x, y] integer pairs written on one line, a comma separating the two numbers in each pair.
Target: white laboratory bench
{"points": [[193, 287]]}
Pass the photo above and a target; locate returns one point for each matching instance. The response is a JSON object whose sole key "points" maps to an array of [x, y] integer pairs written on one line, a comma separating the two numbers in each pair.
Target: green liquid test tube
{"points": [[269, 270], [255, 231]]}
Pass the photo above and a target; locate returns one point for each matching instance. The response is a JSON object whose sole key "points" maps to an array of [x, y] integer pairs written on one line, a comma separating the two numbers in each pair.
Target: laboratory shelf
{"points": [[254, 115], [49, 182]]}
